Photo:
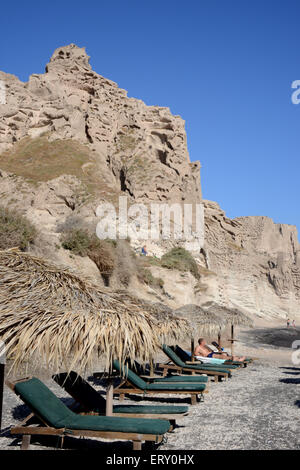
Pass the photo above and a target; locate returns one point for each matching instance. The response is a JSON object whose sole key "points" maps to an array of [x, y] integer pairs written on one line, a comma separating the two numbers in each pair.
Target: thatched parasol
{"points": [[203, 322], [51, 313], [169, 326], [233, 316], [51, 317]]}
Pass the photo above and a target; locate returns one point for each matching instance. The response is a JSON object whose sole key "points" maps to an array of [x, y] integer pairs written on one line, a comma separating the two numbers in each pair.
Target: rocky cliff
{"points": [[139, 149], [70, 138], [255, 261]]}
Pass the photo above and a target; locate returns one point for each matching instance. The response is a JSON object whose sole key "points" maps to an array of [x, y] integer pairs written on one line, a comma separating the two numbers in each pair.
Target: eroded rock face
{"points": [[142, 148], [255, 261], [139, 151]]}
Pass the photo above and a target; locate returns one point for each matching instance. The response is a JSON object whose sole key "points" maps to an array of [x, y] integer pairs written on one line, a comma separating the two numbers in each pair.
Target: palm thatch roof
{"points": [[168, 325], [50, 314], [231, 315], [206, 323]]}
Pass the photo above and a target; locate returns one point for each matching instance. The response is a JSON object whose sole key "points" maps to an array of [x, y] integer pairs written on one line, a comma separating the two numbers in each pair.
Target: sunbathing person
{"points": [[205, 351]]}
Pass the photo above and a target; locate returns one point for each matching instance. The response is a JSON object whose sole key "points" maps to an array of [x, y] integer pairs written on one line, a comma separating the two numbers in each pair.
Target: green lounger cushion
{"points": [[139, 370], [151, 409], [132, 377], [53, 411], [192, 387], [136, 380], [178, 362], [181, 378], [118, 424], [87, 396]]}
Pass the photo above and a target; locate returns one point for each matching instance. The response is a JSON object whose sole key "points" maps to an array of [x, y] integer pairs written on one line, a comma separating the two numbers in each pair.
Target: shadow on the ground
{"points": [[71, 443], [139, 398], [297, 403], [291, 373], [291, 368], [274, 337], [290, 381]]}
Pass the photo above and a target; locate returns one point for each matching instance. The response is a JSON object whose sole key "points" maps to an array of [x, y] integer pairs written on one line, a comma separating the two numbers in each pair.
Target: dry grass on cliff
{"points": [[110, 256], [40, 159], [15, 230], [82, 243]]}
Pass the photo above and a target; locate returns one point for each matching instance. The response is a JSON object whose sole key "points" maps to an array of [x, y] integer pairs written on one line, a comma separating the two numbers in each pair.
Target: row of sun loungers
{"points": [[136, 423]]}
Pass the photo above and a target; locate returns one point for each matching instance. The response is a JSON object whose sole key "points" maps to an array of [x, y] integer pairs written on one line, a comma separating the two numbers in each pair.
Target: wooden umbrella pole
{"points": [[219, 339], [232, 339], [109, 398], [192, 349], [2, 371]]}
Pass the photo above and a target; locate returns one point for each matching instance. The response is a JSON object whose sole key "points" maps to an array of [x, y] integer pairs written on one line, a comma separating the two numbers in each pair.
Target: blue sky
{"points": [[226, 66]]}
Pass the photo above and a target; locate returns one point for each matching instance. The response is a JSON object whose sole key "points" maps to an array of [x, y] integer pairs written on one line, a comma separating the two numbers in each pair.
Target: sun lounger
{"points": [[218, 372], [133, 384], [56, 419], [140, 370], [90, 401]]}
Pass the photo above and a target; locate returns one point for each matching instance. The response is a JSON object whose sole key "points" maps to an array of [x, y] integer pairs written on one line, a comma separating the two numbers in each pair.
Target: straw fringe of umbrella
{"points": [[51, 313], [170, 326], [231, 315], [203, 322]]}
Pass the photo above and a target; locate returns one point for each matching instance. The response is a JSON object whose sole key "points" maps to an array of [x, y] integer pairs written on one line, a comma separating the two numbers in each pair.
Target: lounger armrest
{"points": [[168, 366], [151, 377]]}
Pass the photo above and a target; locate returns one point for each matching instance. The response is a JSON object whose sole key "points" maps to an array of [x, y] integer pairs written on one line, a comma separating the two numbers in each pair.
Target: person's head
{"points": [[201, 342]]}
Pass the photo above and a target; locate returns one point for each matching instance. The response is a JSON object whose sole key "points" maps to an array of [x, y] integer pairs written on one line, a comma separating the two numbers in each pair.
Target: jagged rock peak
{"points": [[69, 57]]}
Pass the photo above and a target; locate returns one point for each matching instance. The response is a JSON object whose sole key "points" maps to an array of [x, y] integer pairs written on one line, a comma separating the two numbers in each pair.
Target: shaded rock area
{"points": [[252, 262]]}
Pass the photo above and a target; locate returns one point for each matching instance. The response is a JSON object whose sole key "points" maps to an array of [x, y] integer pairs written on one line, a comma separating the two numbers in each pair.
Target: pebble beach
{"points": [[258, 408]]}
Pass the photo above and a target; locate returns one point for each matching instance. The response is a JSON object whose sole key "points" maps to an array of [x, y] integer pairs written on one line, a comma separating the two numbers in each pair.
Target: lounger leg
{"points": [[164, 372], [193, 399], [172, 425], [121, 396], [137, 445], [25, 442]]}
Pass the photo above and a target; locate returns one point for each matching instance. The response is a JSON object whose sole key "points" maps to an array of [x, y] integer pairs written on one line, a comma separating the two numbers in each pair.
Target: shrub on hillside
{"points": [[82, 243], [15, 230], [145, 275], [181, 259]]}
